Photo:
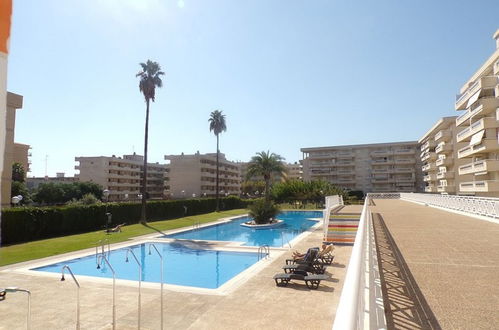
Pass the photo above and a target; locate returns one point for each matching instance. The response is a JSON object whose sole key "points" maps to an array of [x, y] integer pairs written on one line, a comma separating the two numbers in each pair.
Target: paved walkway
{"points": [[255, 304], [441, 269]]}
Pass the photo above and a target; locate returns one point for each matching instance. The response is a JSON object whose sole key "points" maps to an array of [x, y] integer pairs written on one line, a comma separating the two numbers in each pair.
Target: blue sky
{"points": [[287, 74]]}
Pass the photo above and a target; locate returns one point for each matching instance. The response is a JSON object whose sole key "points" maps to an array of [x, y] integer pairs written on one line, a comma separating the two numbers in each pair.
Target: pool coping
{"points": [[26, 268]]}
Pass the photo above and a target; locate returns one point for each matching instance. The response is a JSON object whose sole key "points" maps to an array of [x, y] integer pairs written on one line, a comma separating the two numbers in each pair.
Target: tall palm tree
{"points": [[149, 80], [217, 125], [265, 164]]}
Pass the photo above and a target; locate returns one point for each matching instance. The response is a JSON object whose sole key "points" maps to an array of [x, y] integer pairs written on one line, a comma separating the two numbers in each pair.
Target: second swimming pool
{"points": [[295, 223]]}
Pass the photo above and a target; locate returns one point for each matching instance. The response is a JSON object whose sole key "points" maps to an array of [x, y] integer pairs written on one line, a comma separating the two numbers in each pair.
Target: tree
{"points": [[265, 164], [149, 80], [18, 173], [217, 125], [59, 193]]}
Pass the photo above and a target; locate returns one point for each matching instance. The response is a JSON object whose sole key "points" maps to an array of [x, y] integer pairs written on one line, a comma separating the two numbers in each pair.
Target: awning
{"points": [[477, 138], [473, 99]]}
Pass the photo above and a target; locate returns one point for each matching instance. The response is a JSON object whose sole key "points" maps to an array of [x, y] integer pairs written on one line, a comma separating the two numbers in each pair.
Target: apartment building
{"points": [[380, 167], [60, 177], [439, 148], [14, 102], [123, 176], [478, 129], [22, 156], [195, 175], [293, 172]]}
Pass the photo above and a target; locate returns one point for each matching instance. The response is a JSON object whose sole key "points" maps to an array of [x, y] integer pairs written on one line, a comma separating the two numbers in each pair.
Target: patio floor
{"points": [[440, 268]]}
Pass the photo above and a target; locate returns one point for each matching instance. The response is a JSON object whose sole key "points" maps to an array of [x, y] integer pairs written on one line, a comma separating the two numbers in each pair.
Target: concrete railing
{"points": [[332, 202], [483, 206]]}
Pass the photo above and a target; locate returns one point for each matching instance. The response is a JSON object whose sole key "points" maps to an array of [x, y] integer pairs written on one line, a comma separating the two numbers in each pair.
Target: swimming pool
{"points": [[295, 223], [182, 265]]}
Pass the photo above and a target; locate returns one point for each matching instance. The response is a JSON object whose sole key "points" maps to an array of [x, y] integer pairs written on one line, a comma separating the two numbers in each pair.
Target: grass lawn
{"points": [[54, 246]]}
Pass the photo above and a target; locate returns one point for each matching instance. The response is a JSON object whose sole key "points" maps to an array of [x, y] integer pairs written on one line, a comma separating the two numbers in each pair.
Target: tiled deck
{"points": [[442, 267], [255, 304]]}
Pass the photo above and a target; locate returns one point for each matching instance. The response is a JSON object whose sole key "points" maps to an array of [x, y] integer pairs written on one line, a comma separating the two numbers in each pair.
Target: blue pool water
{"points": [[182, 265], [295, 222]]}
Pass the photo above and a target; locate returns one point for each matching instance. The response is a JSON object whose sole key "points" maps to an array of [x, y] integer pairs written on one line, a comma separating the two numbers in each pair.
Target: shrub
{"points": [[24, 224], [262, 211]]}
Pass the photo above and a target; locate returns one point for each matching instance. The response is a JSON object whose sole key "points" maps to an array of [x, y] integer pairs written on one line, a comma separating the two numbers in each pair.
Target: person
{"points": [[117, 228], [325, 249]]}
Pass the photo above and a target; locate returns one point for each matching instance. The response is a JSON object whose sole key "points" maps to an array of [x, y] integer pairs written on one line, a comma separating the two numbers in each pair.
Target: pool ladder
{"points": [[263, 252], [196, 224], [102, 245], [282, 240]]}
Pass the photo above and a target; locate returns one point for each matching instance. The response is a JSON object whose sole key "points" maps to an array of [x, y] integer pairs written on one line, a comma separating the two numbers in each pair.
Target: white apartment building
{"points": [[439, 148], [195, 176], [478, 129], [123, 176], [380, 167], [293, 172]]}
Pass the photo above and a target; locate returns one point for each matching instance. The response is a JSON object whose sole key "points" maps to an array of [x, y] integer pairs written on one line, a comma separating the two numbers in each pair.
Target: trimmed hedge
{"points": [[24, 224]]}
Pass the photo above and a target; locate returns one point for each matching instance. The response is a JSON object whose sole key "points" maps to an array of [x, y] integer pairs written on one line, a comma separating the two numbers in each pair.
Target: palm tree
{"points": [[217, 125], [265, 164], [149, 80]]}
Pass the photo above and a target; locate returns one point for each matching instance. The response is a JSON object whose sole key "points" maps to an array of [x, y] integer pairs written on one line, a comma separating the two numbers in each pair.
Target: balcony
{"points": [[445, 175], [320, 155], [479, 167], [382, 162], [381, 170], [496, 68], [381, 153], [346, 172], [345, 154], [479, 186], [443, 135], [428, 157], [405, 179], [382, 180], [482, 107], [405, 161], [484, 123], [430, 167], [427, 145], [446, 189], [447, 161], [487, 145], [345, 164], [430, 177], [430, 189], [404, 170], [406, 151], [443, 147], [481, 83]]}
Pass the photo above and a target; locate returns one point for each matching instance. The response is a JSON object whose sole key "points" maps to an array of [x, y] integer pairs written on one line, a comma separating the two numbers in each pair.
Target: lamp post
{"points": [[17, 199], [108, 215], [183, 193]]}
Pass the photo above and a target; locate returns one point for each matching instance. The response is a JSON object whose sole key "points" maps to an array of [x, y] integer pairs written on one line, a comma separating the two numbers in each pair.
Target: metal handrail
{"points": [[129, 250], [77, 293], [99, 260], [28, 316], [161, 265], [263, 252]]}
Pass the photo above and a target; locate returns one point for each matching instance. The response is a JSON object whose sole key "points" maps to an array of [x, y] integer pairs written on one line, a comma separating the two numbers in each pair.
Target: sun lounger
{"points": [[314, 267], [311, 280]]}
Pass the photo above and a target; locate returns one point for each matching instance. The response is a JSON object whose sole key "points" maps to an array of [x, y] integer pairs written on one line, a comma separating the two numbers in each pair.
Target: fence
{"points": [[483, 206]]}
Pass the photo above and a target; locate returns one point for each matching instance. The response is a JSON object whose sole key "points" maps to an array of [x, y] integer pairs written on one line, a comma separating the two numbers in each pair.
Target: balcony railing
{"points": [[487, 145], [443, 147], [486, 122], [486, 165], [444, 161], [481, 83], [479, 186], [445, 175], [443, 135]]}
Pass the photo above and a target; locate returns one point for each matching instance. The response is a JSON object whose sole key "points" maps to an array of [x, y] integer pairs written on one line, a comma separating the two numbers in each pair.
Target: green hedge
{"points": [[24, 224]]}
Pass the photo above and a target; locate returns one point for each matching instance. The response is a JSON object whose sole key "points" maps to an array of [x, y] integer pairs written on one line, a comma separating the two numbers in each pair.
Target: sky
{"points": [[287, 74]]}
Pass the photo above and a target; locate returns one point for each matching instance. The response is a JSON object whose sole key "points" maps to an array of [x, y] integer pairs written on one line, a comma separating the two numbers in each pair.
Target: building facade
{"points": [[294, 171], [123, 176], [478, 129], [14, 102], [380, 167], [438, 155], [34, 182], [195, 175]]}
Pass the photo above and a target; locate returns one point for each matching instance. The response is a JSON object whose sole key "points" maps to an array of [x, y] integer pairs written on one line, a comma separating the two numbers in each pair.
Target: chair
{"points": [[312, 281], [311, 264]]}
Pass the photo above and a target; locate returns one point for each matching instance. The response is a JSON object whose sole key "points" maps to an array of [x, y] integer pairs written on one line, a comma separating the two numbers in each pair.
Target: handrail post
{"points": [[129, 250], [161, 258], [77, 294], [99, 260]]}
